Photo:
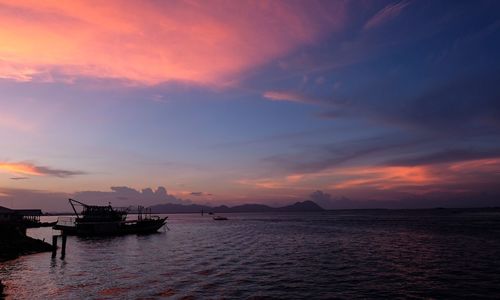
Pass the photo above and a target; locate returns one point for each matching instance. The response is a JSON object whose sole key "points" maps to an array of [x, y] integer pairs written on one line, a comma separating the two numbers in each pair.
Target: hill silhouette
{"points": [[168, 208]]}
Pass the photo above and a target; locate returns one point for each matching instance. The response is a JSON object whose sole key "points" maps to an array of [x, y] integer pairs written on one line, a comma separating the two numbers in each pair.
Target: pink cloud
{"points": [[386, 177], [146, 42]]}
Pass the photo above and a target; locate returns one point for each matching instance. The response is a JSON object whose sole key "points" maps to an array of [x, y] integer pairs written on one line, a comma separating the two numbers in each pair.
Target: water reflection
{"points": [[385, 254]]}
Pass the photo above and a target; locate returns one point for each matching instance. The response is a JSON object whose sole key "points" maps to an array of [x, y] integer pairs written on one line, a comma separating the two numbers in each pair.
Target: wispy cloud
{"points": [[23, 168], [385, 177], [445, 156], [262, 183], [291, 96], [386, 14], [326, 156], [19, 178]]}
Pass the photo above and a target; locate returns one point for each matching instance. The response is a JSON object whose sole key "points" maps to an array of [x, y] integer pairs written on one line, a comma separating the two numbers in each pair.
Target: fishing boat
{"points": [[95, 220], [219, 218]]}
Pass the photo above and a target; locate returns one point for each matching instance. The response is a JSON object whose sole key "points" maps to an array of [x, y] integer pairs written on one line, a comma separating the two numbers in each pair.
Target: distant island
{"points": [[169, 208]]}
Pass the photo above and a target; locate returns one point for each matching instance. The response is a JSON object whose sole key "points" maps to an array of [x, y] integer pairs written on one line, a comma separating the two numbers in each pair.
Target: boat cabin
{"points": [[94, 213]]}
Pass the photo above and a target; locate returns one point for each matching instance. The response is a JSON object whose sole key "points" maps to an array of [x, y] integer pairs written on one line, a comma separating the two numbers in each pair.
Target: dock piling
{"points": [[54, 246], [63, 247]]}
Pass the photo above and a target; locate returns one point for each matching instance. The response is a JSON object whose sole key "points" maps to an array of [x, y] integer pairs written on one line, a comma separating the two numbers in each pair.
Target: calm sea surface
{"points": [[438, 254]]}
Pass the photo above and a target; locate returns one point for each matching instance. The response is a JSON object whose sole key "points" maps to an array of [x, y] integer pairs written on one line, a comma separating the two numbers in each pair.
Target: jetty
{"points": [[13, 239]]}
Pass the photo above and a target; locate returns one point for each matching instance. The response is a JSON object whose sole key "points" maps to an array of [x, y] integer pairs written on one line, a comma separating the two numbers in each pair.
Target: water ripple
{"points": [[351, 255]]}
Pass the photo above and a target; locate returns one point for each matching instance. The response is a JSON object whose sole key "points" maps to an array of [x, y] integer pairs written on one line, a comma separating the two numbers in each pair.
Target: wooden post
{"points": [[54, 246], [63, 246]]}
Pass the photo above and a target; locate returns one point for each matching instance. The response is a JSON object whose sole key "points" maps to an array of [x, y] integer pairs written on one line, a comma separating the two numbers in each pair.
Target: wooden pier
{"points": [[63, 245]]}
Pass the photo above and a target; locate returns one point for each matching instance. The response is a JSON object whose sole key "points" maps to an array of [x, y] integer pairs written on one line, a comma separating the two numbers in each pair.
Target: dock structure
{"points": [[8, 215], [20, 218], [14, 240], [31, 215]]}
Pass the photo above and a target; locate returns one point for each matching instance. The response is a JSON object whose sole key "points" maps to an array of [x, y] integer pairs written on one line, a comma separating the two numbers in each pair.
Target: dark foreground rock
{"points": [[13, 244]]}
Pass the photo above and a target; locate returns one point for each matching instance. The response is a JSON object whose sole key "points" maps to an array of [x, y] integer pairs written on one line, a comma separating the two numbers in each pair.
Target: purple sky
{"points": [[371, 103]]}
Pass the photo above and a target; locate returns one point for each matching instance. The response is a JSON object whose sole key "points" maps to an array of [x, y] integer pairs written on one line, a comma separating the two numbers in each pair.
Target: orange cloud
{"points": [[262, 183], [292, 181], [294, 178], [383, 178], [19, 168], [386, 177], [22, 168], [146, 42]]}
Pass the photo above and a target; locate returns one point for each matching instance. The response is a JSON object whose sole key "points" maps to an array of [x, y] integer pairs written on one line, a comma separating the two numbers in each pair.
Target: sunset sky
{"points": [[348, 103]]}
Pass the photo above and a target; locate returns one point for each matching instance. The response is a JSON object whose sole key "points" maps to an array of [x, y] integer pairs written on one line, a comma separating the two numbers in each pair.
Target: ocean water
{"points": [[421, 254]]}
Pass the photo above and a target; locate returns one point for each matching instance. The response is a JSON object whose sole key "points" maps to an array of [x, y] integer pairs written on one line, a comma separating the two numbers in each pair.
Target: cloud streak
{"points": [[389, 12], [23, 168], [291, 96], [386, 177], [445, 156]]}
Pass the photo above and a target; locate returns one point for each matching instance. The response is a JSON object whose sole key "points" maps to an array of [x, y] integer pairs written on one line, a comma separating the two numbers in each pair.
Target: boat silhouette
{"points": [[94, 220]]}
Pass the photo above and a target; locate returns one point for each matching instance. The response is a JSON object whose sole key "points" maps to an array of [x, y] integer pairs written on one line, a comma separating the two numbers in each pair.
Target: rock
{"points": [[13, 244], [1, 290]]}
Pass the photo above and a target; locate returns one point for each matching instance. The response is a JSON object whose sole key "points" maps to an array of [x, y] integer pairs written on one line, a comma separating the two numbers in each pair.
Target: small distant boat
{"points": [[219, 218], [96, 220]]}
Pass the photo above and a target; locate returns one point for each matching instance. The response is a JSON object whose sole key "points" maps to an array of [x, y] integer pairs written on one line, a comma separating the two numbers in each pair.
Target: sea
{"points": [[345, 254]]}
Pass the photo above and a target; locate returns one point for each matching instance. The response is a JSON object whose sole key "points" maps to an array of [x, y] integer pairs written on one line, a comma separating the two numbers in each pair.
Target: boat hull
{"points": [[112, 228]]}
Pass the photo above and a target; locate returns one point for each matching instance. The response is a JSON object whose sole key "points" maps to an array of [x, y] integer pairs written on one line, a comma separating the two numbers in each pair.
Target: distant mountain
{"points": [[302, 206], [169, 208]]}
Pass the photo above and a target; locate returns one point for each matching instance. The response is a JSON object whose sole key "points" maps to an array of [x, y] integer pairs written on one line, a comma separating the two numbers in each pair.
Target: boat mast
{"points": [[71, 202]]}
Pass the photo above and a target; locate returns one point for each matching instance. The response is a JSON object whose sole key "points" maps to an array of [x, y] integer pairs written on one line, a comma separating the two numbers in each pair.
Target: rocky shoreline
{"points": [[13, 243]]}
